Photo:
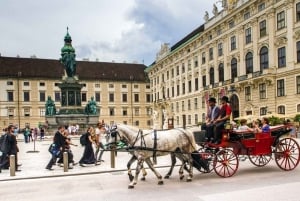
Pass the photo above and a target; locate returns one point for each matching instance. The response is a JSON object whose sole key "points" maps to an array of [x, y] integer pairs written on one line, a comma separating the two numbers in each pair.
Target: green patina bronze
{"points": [[68, 56], [91, 107], [50, 107]]}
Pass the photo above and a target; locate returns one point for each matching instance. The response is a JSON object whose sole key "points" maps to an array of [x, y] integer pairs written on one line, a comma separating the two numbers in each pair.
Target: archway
{"points": [[235, 105]]}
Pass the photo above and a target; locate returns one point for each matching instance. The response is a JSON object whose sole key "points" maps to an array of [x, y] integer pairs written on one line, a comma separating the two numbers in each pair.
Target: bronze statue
{"points": [[91, 107], [50, 107]]}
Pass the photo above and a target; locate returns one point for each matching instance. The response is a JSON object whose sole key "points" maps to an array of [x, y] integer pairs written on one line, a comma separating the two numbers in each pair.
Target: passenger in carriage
{"points": [[212, 115], [244, 126], [265, 126], [223, 117]]}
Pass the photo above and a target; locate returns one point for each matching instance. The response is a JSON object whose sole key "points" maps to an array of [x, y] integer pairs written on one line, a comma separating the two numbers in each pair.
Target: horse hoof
{"points": [[131, 178], [130, 187], [167, 177], [143, 179], [189, 180], [181, 177], [160, 182]]}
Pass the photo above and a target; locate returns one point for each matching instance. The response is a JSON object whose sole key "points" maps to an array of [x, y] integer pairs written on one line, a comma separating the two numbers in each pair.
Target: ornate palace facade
{"points": [[249, 51]]}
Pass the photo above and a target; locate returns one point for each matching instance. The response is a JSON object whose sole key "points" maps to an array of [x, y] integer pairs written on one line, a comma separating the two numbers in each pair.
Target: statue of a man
{"points": [[50, 107], [68, 60]]}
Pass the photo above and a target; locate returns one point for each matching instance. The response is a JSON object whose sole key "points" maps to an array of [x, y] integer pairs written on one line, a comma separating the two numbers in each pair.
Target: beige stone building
{"points": [[249, 51], [121, 90]]}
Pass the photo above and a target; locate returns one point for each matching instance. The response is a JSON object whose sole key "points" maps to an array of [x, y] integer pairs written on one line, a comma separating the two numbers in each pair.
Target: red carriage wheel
{"points": [[260, 160], [226, 163], [287, 154]]}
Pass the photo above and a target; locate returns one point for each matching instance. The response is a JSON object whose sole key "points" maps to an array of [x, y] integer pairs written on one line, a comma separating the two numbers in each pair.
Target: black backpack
{"points": [[4, 144], [83, 139]]}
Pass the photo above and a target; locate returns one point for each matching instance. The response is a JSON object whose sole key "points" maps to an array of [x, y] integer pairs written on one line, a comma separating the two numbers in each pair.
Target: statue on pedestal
{"points": [[91, 107], [68, 56], [50, 107]]}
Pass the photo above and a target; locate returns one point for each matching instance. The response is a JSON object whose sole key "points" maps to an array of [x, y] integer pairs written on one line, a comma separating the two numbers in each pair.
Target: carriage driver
{"points": [[212, 115], [223, 117]]}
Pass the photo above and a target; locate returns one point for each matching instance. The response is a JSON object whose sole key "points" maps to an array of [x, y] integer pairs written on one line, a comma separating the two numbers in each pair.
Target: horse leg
{"points": [[144, 173], [132, 159], [137, 172], [190, 162], [159, 177], [173, 162]]}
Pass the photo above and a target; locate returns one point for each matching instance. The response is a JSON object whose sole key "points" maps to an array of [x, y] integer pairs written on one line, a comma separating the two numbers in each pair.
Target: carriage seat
{"points": [[243, 134]]}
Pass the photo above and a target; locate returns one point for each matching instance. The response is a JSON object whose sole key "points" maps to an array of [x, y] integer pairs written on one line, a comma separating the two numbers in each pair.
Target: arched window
{"points": [[249, 63], [221, 72], [264, 58], [233, 68], [211, 76], [281, 109]]}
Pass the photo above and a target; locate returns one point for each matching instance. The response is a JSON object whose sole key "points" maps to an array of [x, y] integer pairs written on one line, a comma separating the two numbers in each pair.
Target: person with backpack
{"points": [[9, 147], [88, 156]]}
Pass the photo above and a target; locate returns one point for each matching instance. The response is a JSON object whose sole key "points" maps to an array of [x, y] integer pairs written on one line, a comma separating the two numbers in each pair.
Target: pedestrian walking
{"points": [[100, 131], [59, 144], [88, 156]]}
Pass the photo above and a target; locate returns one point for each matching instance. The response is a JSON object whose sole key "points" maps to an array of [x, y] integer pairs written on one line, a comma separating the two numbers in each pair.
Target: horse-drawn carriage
{"points": [[260, 148], [223, 158]]}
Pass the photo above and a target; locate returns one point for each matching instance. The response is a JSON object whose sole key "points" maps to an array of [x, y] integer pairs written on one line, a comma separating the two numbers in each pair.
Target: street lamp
{"points": [[131, 100], [18, 89]]}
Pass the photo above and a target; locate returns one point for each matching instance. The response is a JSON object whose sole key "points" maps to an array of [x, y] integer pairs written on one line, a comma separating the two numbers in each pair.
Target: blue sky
{"points": [[107, 30]]}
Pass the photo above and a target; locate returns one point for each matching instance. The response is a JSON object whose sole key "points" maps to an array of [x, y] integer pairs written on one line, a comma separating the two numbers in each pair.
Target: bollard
{"points": [[65, 159], [12, 165], [112, 158]]}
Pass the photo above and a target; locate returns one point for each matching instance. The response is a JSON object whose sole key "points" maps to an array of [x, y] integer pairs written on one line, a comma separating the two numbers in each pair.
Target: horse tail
{"points": [[192, 140]]}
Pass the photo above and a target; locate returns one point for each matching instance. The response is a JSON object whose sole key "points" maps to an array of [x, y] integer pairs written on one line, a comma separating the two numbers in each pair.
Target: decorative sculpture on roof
{"points": [[215, 10], [206, 16], [50, 107], [91, 107], [68, 56]]}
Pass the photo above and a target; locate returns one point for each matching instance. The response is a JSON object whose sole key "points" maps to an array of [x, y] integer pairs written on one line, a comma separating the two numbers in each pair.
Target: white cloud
{"points": [[119, 30]]}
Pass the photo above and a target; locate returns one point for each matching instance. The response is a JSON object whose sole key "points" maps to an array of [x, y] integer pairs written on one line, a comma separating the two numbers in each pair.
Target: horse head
{"points": [[122, 133]]}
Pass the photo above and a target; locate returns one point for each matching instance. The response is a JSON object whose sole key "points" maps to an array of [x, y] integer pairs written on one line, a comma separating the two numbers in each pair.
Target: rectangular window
{"points": [[124, 86], [196, 84], [232, 43], [97, 85], [111, 111], [97, 97], [262, 91], [262, 28], [211, 53], [298, 84], [42, 96], [203, 102], [136, 98], [204, 80], [231, 24], [220, 49], [196, 119], [281, 20], [110, 86], [173, 91], [9, 83], [177, 106], [42, 84], [189, 105], [280, 88], [263, 111], [177, 70], [11, 112], [172, 72], [189, 119], [111, 97], [246, 15], [124, 112], [196, 61], [261, 7], [195, 103], [190, 86], [178, 90], [26, 84], [57, 96], [182, 106], [182, 68], [83, 97], [183, 88], [298, 12], [137, 111], [248, 93], [10, 96], [148, 98], [124, 98], [203, 58], [281, 57], [248, 35], [42, 112], [27, 112], [298, 51], [136, 86], [26, 96]]}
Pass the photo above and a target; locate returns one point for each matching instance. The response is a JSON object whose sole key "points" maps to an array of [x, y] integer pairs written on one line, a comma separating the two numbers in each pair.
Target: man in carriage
{"points": [[212, 115]]}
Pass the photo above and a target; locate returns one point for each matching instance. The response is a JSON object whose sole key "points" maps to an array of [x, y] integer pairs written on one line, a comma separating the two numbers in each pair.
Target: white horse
{"points": [[177, 142]]}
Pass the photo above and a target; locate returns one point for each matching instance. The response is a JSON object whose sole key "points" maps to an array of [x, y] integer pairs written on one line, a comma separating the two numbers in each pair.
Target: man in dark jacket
{"points": [[59, 142], [11, 149]]}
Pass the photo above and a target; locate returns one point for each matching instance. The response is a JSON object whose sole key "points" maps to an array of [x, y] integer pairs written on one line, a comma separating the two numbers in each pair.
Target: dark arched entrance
{"points": [[235, 105]]}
